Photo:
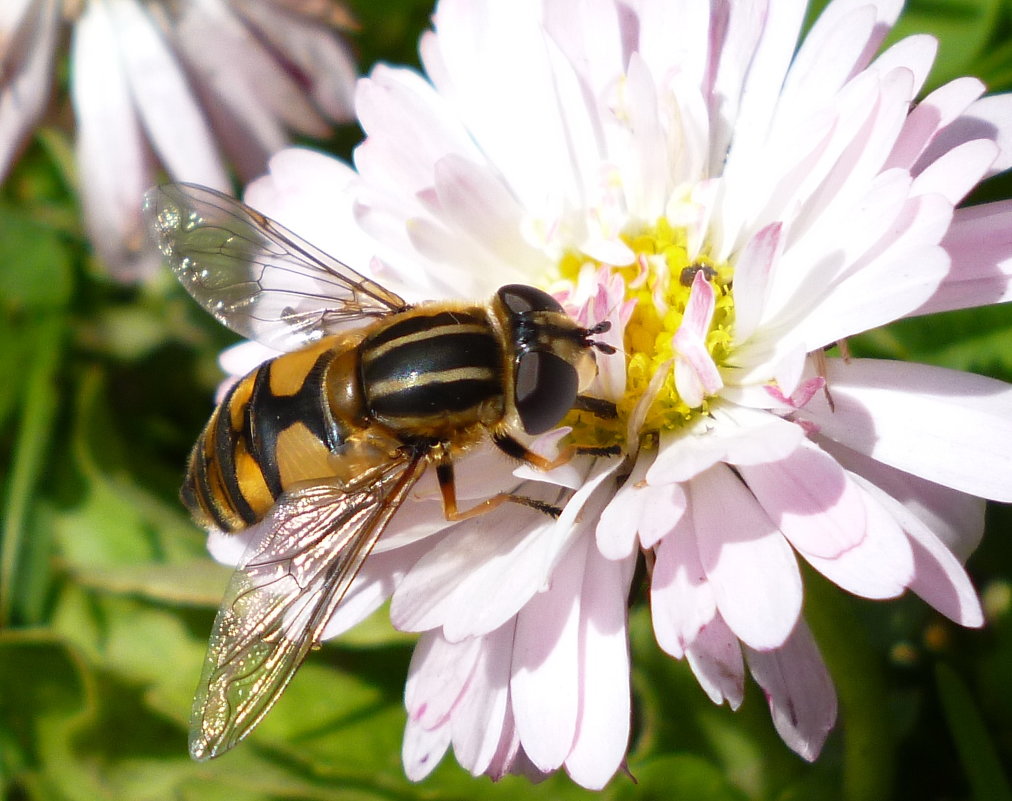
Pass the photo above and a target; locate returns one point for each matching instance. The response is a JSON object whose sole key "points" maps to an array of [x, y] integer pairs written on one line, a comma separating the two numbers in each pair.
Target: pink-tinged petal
{"points": [[799, 690], [602, 735], [322, 59], [170, 113], [716, 662], [938, 576], [956, 518], [475, 203], [749, 564], [28, 33], [619, 523], [732, 434], [458, 585], [665, 507], [545, 694], [696, 374], [478, 718], [881, 565], [508, 757], [113, 162], [929, 116], [979, 242], [638, 508], [915, 54], [751, 279], [832, 52], [681, 599], [987, 118], [954, 174], [415, 125], [808, 497], [372, 587], [943, 425], [891, 285], [422, 749], [438, 675]]}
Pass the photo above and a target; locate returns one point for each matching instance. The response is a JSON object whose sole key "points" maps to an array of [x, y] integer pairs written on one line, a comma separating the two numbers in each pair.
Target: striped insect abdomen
{"points": [[273, 429], [430, 373]]}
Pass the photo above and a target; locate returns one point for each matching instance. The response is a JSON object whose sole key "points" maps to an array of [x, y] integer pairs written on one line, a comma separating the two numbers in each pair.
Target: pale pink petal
{"points": [[545, 693], [508, 757], [732, 434], [476, 204], [751, 277], [681, 598], [410, 128], [808, 497], [988, 118], [479, 715], [167, 108], [946, 426], [114, 163], [322, 59], [799, 690], [979, 242], [372, 586], [930, 115], [28, 33], [696, 374], [748, 562], [954, 174], [459, 584], [620, 521], [603, 730], [938, 576], [422, 749], [881, 565], [437, 677], [716, 662], [666, 505], [956, 518]]}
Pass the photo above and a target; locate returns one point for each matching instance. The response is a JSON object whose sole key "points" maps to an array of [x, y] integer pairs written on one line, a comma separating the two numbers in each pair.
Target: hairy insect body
{"points": [[316, 450], [430, 380]]}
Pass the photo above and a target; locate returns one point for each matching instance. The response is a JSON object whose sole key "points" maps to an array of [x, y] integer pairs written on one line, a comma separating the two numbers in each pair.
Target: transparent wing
{"points": [[254, 275], [282, 595]]}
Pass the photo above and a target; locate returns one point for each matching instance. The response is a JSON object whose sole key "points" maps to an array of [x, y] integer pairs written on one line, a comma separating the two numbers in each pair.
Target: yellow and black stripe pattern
{"points": [[274, 428], [430, 373]]}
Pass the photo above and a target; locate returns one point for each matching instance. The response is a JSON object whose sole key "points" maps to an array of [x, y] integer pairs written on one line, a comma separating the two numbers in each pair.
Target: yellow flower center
{"points": [[659, 283]]}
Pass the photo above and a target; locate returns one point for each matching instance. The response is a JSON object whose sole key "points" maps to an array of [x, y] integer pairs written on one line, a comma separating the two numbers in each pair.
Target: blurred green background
{"points": [[107, 596]]}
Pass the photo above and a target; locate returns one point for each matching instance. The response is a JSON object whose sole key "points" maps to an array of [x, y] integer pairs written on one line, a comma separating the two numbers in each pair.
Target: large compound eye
{"points": [[546, 388], [521, 299]]}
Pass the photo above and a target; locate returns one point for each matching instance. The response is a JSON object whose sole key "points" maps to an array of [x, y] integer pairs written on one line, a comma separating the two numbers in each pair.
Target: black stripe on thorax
{"points": [[418, 401], [417, 323], [268, 415]]}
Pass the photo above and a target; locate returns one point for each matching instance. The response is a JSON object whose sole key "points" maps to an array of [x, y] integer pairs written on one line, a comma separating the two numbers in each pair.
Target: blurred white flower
{"points": [[191, 86], [733, 202]]}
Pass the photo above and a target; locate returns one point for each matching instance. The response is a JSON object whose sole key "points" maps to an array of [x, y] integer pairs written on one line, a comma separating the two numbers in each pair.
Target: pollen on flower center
{"points": [[672, 347]]}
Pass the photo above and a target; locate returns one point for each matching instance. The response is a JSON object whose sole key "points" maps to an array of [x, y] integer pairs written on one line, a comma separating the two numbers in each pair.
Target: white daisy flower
{"points": [[189, 85], [733, 201]]}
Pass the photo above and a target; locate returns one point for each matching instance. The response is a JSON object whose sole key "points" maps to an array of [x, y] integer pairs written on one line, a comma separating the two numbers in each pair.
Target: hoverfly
{"points": [[320, 446]]}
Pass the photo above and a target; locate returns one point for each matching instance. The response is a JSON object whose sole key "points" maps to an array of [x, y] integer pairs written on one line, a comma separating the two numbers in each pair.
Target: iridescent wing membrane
{"points": [[255, 276], [284, 592]]}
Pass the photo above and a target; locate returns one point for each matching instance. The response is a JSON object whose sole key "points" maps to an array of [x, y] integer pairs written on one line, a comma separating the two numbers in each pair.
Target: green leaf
{"points": [[977, 750], [43, 686], [35, 264], [963, 28], [678, 776], [38, 414]]}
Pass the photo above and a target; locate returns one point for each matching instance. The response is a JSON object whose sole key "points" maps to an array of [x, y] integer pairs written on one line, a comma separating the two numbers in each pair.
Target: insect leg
{"points": [[599, 407], [448, 489]]}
